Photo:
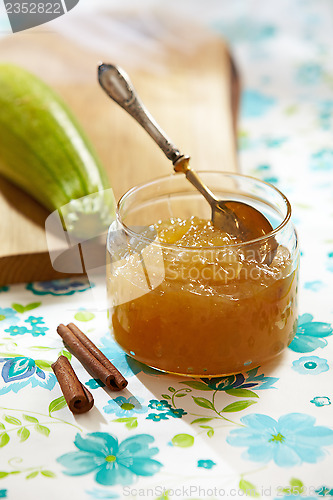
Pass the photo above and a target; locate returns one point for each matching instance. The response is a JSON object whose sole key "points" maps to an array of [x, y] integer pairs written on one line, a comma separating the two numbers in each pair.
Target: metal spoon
{"points": [[234, 217]]}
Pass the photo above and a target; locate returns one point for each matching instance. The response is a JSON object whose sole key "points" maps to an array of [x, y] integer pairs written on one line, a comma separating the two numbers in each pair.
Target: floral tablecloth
{"points": [[265, 433]]}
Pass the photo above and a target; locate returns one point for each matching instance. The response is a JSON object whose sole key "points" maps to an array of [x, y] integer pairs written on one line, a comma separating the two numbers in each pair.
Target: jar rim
{"points": [[173, 246]]}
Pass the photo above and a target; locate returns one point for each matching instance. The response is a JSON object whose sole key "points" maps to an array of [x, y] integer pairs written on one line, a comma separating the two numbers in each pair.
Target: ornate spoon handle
{"points": [[118, 86]]}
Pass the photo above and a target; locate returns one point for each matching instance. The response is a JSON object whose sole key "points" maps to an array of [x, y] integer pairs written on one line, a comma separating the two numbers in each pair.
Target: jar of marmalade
{"points": [[189, 299]]}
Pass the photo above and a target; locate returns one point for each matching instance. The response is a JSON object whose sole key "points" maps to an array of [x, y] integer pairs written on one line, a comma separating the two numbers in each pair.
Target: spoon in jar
{"points": [[234, 217]]}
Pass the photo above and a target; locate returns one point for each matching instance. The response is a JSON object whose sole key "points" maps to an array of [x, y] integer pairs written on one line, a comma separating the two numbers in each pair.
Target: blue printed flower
{"points": [[124, 407], [266, 173], [247, 142], [275, 142], [206, 464], [97, 494], [309, 73], [314, 286], [20, 371], [125, 364], [310, 365], [8, 316], [272, 179], [322, 160], [245, 30], [321, 401], [162, 405], [59, 287], [176, 412], [112, 462], [255, 104], [4, 289], [157, 417], [3, 493], [241, 380], [295, 497], [325, 109], [36, 331], [309, 334], [115, 354], [35, 320], [289, 441], [324, 491], [263, 168], [95, 383], [330, 262], [137, 367], [17, 330]]}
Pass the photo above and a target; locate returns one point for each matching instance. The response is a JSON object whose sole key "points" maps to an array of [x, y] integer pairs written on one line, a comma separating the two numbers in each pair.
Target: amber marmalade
{"points": [[215, 311]]}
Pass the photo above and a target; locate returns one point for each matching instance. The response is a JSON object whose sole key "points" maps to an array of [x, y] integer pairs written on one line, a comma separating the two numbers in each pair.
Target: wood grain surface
{"points": [[195, 100]]}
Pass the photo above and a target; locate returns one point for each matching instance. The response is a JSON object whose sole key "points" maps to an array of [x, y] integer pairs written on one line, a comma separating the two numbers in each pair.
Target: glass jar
{"points": [[207, 311]]}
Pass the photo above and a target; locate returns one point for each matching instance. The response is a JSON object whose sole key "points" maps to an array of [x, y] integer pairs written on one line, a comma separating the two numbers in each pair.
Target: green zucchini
{"points": [[44, 151]]}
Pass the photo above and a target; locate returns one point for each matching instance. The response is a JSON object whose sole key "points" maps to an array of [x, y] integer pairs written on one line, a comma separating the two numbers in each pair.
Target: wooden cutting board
{"points": [[194, 99]]}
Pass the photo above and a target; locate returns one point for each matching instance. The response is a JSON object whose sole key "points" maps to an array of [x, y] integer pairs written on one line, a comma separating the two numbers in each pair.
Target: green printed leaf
{"points": [[32, 474], [248, 488], [18, 308], [3, 474], [29, 418], [165, 496], [166, 396], [200, 386], [293, 490], [297, 486], [4, 439], [40, 348], [171, 389], [32, 305], [48, 473], [203, 402], [84, 316], [296, 482], [43, 365], [23, 434], [132, 424], [42, 429], [65, 353], [238, 405], [180, 395], [210, 432], [183, 440], [242, 393], [201, 420], [2, 426], [12, 420], [57, 404], [21, 309], [2, 317]]}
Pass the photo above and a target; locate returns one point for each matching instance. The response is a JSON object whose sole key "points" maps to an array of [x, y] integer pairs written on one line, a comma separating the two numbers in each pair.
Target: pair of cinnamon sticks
{"points": [[78, 398]]}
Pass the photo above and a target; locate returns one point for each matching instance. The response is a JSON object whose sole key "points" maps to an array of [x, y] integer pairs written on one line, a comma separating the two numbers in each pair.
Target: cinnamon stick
{"points": [[90, 356], [78, 398]]}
